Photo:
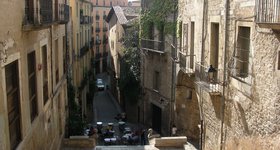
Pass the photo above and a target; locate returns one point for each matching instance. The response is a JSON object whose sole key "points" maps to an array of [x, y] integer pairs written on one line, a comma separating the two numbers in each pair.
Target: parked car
{"points": [[100, 84]]}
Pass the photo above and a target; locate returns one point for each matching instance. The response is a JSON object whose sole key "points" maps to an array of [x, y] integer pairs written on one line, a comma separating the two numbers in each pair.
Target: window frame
{"points": [[33, 99]]}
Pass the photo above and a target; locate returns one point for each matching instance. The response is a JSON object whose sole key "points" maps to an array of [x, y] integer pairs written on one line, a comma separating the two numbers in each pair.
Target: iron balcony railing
{"points": [[38, 16], [209, 80], [98, 42], [105, 29], [186, 62], [97, 29], [153, 45], [82, 19], [63, 16], [268, 11], [97, 17]]}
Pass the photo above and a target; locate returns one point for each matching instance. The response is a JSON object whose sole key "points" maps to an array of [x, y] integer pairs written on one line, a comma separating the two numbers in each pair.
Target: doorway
{"points": [[156, 120]]}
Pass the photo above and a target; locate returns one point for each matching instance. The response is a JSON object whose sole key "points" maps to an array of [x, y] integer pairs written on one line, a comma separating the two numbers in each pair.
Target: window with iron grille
{"points": [[242, 52], [32, 85], [185, 38], [13, 103], [56, 62], [192, 45], [45, 74], [214, 45]]}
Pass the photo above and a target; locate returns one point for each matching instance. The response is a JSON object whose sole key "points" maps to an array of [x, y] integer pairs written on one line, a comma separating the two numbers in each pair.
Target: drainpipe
{"points": [[203, 36], [173, 78], [226, 5]]}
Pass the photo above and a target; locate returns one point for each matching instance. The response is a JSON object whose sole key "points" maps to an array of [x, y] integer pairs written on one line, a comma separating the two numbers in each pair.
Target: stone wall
{"points": [[250, 118]]}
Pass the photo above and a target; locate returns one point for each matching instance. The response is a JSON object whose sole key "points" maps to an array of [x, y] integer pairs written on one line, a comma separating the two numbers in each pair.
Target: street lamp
{"points": [[212, 73]]}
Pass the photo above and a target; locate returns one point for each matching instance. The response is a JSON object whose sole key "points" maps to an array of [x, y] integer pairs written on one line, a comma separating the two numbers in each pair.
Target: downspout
{"points": [[226, 5], [173, 86], [200, 89]]}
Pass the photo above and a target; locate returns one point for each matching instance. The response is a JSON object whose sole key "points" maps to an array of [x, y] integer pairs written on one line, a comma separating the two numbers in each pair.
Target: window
{"points": [[189, 94], [97, 24], [156, 80], [97, 37], [103, 2], [56, 62], [45, 74], [111, 3], [64, 55], [214, 45], [192, 45], [242, 52], [96, 2], [13, 103], [77, 10], [32, 85], [185, 38], [97, 50]]}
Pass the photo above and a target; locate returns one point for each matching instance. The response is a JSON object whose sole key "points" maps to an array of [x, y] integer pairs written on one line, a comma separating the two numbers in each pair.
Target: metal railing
{"points": [[105, 29], [46, 11], [98, 42], [153, 45], [267, 11], [97, 29], [212, 83], [63, 16], [187, 62], [97, 17]]}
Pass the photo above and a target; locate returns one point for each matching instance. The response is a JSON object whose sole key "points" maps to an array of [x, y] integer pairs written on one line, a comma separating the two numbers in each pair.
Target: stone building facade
{"points": [[33, 86], [234, 103], [81, 33], [157, 76], [120, 21], [100, 32]]}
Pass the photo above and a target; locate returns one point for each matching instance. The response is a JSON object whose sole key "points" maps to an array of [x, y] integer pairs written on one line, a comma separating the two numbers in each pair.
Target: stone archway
{"points": [[187, 107]]}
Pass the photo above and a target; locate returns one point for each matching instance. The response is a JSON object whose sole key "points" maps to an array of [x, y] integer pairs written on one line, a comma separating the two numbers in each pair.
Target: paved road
{"points": [[104, 107]]}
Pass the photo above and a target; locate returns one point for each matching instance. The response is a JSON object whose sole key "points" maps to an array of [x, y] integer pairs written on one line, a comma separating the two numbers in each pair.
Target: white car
{"points": [[100, 85]]}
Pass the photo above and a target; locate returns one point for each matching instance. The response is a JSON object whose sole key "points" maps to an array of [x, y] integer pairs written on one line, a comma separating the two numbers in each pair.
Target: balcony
{"points": [[105, 29], [63, 16], [38, 17], [186, 63], [97, 29], [97, 17], [208, 79], [153, 46], [268, 13], [98, 42]]}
